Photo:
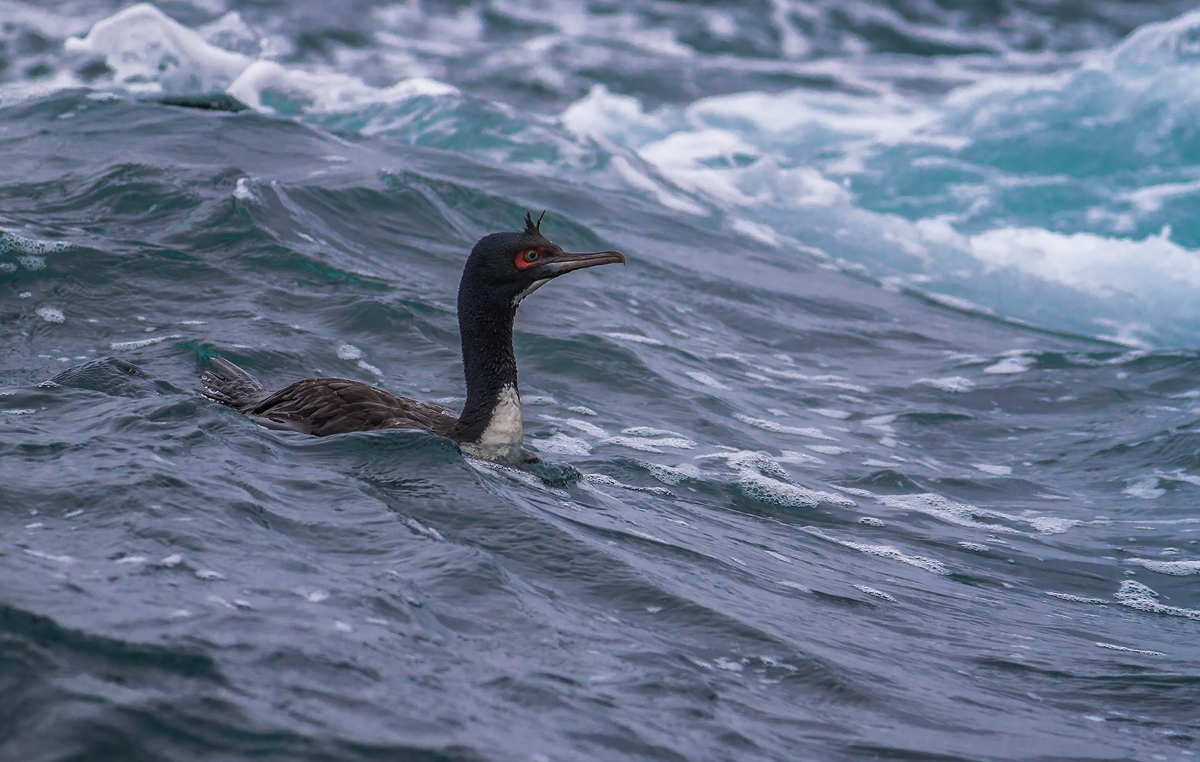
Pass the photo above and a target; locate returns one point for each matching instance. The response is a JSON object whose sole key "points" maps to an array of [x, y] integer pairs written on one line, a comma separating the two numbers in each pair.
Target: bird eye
{"points": [[530, 255]]}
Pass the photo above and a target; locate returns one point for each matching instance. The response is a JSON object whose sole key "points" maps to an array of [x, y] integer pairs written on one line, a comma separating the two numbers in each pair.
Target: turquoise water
{"points": [[884, 443]]}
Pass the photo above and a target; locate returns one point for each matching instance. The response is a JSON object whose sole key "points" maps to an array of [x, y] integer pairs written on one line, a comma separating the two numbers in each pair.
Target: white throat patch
{"points": [[532, 287], [505, 432]]}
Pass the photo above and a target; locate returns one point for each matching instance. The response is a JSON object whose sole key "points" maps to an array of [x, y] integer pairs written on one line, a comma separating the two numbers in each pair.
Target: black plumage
{"points": [[501, 270]]}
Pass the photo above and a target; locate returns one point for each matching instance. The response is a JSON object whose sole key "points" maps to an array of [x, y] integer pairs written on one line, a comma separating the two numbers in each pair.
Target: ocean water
{"points": [[885, 444]]}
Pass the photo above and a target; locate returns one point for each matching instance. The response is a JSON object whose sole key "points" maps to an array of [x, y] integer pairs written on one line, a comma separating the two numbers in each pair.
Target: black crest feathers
{"points": [[531, 226]]}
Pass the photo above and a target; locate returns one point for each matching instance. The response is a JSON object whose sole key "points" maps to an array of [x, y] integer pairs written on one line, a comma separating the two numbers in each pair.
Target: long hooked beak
{"points": [[568, 261]]}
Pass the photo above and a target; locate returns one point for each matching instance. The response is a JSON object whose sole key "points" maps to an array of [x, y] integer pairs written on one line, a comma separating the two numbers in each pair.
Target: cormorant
{"points": [[503, 269]]}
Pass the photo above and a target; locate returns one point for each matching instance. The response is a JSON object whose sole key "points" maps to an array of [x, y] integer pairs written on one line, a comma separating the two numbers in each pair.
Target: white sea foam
{"points": [[727, 151], [828, 449], [947, 510], [602, 114], [650, 445], [562, 444], [739, 460], [1151, 198], [647, 431], [1010, 366], [672, 474], [757, 231], [121, 346], [714, 153], [242, 190], [51, 314], [949, 384], [854, 491], [150, 51], [677, 443], [608, 481], [687, 158], [1135, 595], [425, 531], [636, 339], [323, 92], [1114, 647], [875, 593], [761, 477], [881, 423], [586, 427], [33, 250], [1076, 598], [800, 459], [840, 415], [61, 559], [515, 474], [229, 32], [1145, 488], [368, 367], [1175, 568], [707, 380], [1098, 265], [987, 468], [759, 423], [640, 180], [1051, 524], [769, 490], [885, 551]]}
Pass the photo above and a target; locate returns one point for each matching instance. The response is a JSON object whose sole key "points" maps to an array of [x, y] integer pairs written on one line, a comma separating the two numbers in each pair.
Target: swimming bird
{"points": [[502, 269]]}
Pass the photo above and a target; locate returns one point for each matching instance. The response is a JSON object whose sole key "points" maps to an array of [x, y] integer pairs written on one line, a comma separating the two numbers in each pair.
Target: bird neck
{"points": [[490, 368]]}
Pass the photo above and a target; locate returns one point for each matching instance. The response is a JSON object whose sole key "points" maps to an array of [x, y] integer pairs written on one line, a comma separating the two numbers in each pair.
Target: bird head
{"points": [[504, 268]]}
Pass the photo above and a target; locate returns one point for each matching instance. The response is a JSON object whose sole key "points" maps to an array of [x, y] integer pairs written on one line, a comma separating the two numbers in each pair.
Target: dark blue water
{"points": [[884, 445]]}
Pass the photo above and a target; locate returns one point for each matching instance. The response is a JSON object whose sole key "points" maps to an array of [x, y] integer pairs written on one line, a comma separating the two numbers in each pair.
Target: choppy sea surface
{"points": [[884, 445]]}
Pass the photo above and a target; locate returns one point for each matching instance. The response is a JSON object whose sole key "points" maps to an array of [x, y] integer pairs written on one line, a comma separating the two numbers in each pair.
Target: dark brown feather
{"points": [[325, 406]]}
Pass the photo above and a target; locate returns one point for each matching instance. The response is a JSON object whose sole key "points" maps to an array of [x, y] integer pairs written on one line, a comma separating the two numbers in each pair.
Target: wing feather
{"points": [[325, 406]]}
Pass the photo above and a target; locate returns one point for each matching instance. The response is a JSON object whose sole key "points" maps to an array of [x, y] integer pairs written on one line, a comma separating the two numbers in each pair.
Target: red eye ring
{"points": [[527, 258]]}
